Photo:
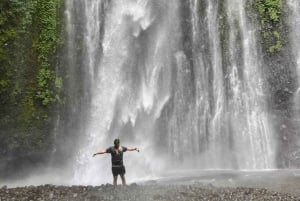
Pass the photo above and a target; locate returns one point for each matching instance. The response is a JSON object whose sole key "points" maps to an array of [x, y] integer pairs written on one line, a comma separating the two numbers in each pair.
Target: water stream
{"points": [[294, 25]]}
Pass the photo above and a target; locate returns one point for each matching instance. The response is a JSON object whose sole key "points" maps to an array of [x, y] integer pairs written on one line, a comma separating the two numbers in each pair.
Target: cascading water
{"points": [[294, 23], [294, 36], [249, 121], [160, 79], [128, 75]]}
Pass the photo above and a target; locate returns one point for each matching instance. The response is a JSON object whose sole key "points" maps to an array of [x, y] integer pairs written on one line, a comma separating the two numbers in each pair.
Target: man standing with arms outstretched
{"points": [[118, 167]]}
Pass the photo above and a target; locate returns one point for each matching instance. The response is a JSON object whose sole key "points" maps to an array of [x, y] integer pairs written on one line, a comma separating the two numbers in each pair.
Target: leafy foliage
{"points": [[46, 47], [270, 18], [269, 10]]}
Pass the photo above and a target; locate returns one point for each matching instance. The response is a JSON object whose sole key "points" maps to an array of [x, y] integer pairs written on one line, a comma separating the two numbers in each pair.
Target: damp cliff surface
{"points": [[196, 84], [29, 82]]}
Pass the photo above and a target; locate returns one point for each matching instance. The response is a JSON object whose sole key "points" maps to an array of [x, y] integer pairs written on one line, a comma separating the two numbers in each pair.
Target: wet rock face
{"points": [[140, 193]]}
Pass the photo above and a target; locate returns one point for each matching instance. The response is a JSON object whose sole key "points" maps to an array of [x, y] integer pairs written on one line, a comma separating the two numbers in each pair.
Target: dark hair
{"points": [[117, 141]]}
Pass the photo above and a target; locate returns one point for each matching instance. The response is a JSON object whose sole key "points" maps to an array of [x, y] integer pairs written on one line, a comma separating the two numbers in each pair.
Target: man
{"points": [[118, 167]]}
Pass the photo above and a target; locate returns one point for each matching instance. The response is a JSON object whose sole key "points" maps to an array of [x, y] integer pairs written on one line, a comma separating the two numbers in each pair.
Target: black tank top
{"points": [[116, 155]]}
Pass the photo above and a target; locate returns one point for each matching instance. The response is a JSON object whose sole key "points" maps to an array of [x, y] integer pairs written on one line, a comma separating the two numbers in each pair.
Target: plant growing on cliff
{"points": [[269, 10], [46, 48], [270, 18]]}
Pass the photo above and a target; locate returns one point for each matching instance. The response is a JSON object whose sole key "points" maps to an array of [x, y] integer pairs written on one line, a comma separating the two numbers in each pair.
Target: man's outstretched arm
{"points": [[133, 149], [100, 152]]}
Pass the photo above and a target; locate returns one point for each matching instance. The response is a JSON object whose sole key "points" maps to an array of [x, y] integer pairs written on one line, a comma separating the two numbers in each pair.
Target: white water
{"points": [[294, 36], [183, 111], [252, 129], [294, 23]]}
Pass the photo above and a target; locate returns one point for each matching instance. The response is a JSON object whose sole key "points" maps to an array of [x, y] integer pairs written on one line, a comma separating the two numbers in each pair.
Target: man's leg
{"points": [[123, 180], [122, 174], [115, 181]]}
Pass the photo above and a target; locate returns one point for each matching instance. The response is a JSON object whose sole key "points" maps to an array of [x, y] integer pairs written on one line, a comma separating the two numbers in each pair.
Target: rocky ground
{"points": [[140, 193]]}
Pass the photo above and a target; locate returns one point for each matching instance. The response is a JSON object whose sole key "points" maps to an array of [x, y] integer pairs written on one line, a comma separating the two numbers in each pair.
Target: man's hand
{"points": [[99, 152], [137, 149]]}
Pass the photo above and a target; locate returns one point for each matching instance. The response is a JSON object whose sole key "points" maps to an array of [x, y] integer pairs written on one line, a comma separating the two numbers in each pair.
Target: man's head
{"points": [[117, 142]]}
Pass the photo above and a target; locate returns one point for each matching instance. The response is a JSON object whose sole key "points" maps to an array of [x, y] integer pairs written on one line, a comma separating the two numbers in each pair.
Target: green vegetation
{"points": [[46, 48], [29, 85], [270, 18], [276, 47], [269, 10]]}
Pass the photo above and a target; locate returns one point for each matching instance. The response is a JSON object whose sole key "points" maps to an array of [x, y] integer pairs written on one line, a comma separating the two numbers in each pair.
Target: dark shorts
{"points": [[118, 170]]}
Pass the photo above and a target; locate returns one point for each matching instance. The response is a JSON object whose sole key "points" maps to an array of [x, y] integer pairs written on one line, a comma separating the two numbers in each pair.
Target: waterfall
{"points": [[294, 23], [253, 134], [294, 37], [159, 78]]}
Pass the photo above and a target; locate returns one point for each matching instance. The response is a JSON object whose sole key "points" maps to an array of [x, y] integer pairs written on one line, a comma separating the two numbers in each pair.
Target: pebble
{"points": [[136, 192]]}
